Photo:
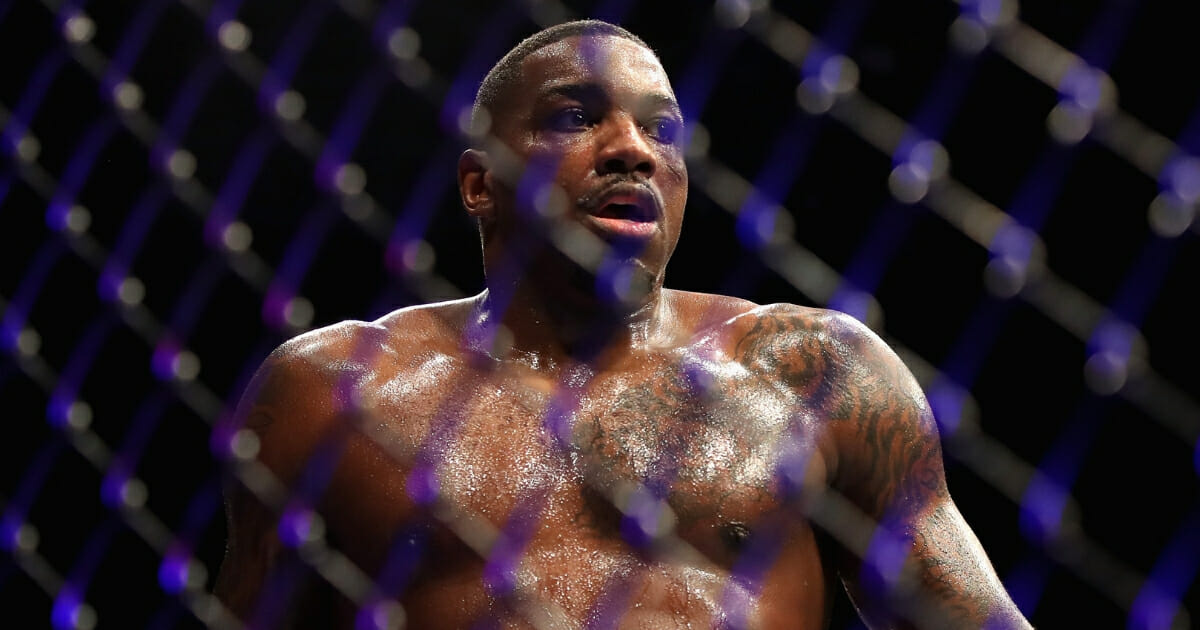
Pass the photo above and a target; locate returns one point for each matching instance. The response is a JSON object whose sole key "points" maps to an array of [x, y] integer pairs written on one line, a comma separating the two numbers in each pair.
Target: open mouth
{"points": [[624, 221], [624, 210]]}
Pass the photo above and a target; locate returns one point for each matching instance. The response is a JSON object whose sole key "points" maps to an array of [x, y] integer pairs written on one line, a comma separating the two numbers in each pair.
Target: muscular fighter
{"points": [[578, 446]]}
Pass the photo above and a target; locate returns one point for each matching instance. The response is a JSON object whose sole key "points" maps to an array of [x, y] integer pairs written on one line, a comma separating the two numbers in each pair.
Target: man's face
{"points": [[597, 116]]}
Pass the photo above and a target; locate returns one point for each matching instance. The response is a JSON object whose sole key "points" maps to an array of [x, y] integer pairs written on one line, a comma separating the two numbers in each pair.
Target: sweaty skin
{"points": [[670, 460]]}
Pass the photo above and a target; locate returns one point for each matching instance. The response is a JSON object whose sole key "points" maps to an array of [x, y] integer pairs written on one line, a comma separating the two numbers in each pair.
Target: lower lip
{"points": [[624, 227]]}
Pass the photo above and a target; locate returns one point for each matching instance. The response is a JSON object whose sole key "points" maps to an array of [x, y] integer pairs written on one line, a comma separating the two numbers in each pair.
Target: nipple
{"points": [[735, 535]]}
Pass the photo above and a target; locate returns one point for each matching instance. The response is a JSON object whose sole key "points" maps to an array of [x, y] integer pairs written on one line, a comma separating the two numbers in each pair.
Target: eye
{"points": [[665, 130], [570, 119]]}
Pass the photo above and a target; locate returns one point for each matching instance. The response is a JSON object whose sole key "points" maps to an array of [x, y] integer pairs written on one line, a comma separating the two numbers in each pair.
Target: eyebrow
{"points": [[593, 92], [576, 91], [662, 100]]}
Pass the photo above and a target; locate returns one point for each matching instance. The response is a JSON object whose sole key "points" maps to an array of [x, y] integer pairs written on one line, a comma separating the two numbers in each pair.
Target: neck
{"points": [[567, 324]]}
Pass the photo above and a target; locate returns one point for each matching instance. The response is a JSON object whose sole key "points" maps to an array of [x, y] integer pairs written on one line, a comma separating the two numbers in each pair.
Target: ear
{"points": [[475, 184]]}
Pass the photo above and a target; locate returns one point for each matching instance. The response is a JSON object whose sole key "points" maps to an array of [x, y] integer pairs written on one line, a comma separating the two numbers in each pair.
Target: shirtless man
{"points": [[577, 446]]}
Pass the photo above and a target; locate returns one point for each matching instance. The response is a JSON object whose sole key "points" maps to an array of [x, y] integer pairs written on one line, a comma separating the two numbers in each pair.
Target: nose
{"points": [[624, 148]]}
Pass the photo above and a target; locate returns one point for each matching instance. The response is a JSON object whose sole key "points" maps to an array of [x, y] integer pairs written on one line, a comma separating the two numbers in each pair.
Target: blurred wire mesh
{"points": [[1007, 193]]}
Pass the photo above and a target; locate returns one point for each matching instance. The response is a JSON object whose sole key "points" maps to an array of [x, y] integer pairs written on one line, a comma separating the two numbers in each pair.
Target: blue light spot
{"points": [[173, 572], [65, 613], [1042, 509], [946, 401], [423, 485]]}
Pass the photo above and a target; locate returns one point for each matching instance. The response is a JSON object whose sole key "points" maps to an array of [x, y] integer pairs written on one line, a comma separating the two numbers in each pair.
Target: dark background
{"points": [[1124, 462]]}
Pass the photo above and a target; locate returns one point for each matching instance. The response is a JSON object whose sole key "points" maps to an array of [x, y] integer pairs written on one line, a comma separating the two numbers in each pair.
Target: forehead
{"points": [[619, 65]]}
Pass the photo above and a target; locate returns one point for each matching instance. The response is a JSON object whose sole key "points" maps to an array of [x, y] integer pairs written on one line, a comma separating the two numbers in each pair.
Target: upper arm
{"points": [[260, 577], [922, 565]]}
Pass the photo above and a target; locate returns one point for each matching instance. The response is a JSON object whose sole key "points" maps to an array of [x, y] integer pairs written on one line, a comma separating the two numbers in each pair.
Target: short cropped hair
{"points": [[497, 80]]}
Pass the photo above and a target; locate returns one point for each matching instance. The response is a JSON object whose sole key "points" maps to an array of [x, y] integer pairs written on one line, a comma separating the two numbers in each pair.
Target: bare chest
{"points": [[693, 447]]}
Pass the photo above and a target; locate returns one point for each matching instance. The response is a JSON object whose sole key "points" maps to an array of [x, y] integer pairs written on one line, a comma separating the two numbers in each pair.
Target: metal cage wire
{"points": [[185, 182]]}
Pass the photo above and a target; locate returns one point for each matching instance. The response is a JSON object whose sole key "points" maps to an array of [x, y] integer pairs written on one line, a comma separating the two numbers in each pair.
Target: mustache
{"points": [[617, 183]]}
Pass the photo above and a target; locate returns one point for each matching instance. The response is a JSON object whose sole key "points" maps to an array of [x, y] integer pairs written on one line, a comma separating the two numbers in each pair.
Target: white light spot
{"points": [[931, 158], [1004, 277], [908, 183], [732, 13], [1105, 373], [28, 148], [1170, 216], [404, 43], [1069, 123], [237, 237], [234, 36], [813, 97], [133, 493], [350, 179], [25, 538], [308, 527], [418, 256], [775, 228], [244, 444], [131, 291], [79, 415], [968, 35], [181, 164], [838, 74], [298, 312], [28, 341], [185, 366], [78, 220], [79, 28], [127, 95], [289, 105], [84, 617], [197, 575]]}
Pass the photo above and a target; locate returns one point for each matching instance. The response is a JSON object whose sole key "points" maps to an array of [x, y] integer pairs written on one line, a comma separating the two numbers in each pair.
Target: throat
{"points": [[564, 324]]}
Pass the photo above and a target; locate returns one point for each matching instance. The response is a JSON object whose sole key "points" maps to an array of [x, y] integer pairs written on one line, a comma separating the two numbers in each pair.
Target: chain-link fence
{"points": [[1006, 193]]}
